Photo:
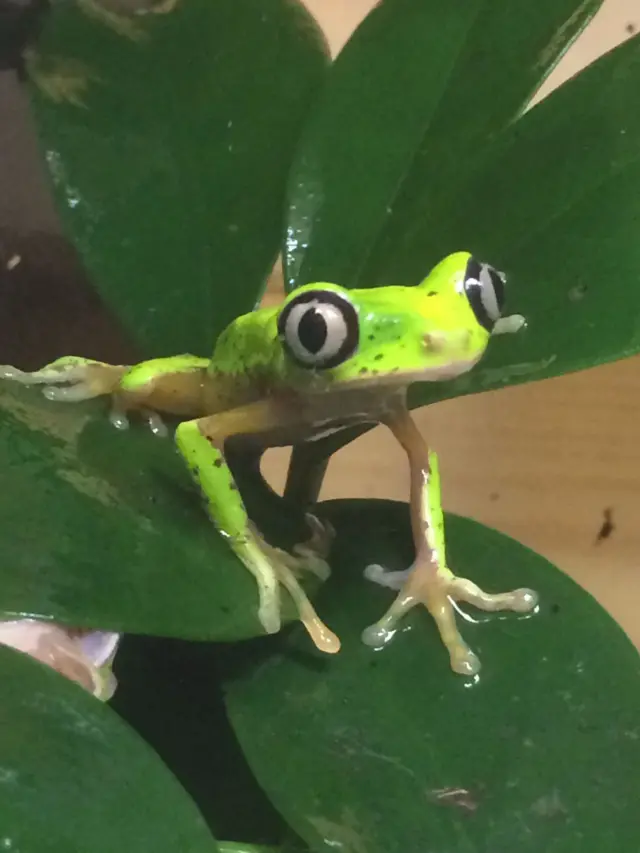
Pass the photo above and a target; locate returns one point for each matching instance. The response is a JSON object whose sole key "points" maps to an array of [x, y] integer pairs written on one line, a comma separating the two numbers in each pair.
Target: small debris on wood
{"points": [[607, 527], [631, 28]]}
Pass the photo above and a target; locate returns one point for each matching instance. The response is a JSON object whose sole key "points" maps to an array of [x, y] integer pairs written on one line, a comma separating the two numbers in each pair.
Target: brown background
{"points": [[541, 462]]}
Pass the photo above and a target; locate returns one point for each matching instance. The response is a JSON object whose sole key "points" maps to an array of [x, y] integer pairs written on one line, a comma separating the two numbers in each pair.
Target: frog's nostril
{"points": [[434, 341]]}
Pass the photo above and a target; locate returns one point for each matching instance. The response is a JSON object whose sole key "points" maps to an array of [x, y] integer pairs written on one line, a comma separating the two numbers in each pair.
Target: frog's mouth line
{"points": [[401, 378]]}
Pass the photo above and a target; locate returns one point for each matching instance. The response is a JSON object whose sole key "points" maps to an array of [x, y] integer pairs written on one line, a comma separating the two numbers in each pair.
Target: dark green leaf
{"points": [[169, 171], [390, 751], [73, 777], [560, 199], [167, 137], [105, 530], [415, 99], [168, 690]]}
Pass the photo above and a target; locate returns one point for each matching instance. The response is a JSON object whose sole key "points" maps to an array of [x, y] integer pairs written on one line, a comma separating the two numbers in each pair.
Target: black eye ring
{"points": [[319, 329], [485, 290]]}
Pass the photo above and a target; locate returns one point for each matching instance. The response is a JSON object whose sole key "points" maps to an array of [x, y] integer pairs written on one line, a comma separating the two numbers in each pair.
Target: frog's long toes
{"points": [[156, 424], [392, 580], [7, 371], [463, 660], [68, 394], [36, 377], [269, 619], [322, 535], [119, 420], [57, 373], [524, 600]]}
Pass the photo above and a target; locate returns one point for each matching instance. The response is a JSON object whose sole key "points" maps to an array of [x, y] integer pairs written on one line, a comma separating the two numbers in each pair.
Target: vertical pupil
{"points": [[312, 331]]}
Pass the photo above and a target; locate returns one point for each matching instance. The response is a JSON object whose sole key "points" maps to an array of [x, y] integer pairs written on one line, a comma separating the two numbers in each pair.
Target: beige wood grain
{"points": [[541, 462]]}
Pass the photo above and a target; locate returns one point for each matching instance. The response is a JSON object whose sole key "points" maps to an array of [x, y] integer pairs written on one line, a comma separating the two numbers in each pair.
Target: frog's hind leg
{"points": [[201, 443], [429, 582]]}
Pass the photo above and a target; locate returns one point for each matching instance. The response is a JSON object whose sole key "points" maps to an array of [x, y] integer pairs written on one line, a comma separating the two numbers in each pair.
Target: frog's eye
{"points": [[319, 329], [484, 287]]}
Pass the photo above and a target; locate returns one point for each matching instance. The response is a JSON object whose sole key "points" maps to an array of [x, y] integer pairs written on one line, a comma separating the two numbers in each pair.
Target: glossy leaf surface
{"points": [[105, 529], [390, 751], [413, 103], [167, 137], [73, 776]]}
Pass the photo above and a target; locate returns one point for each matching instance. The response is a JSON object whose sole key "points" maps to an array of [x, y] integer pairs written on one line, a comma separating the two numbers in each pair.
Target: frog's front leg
{"points": [[201, 442], [171, 385], [70, 378], [429, 582]]}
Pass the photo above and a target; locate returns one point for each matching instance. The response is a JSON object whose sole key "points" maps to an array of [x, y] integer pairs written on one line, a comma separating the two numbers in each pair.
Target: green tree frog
{"points": [[326, 359]]}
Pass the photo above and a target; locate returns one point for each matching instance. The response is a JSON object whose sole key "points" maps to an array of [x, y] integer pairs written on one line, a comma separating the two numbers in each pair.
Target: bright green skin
{"points": [[251, 388], [427, 332], [393, 323]]}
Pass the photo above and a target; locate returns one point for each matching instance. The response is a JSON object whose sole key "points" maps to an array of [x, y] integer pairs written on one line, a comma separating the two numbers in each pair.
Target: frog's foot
{"points": [[119, 419], [311, 556], [272, 566], [438, 591], [392, 580], [70, 378]]}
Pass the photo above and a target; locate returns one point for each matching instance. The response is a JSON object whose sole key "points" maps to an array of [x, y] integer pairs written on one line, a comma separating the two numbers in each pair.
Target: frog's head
{"points": [[435, 330]]}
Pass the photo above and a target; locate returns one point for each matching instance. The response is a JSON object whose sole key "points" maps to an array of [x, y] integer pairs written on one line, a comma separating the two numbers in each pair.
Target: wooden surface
{"points": [[544, 462]]}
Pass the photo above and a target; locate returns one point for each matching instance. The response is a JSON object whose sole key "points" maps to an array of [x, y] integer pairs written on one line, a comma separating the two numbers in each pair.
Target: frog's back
{"points": [[248, 343]]}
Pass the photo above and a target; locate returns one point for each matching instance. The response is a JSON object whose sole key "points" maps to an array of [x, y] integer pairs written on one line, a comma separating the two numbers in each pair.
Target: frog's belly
{"points": [[288, 435]]}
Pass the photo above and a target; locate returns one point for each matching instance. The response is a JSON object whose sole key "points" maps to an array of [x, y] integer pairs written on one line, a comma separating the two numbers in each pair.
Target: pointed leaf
{"points": [[390, 751], [560, 197], [412, 103], [75, 777], [167, 137]]}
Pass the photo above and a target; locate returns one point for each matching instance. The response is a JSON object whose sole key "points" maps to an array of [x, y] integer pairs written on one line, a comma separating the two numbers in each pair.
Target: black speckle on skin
{"points": [[372, 337], [224, 609], [218, 463], [555, 608], [233, 487], [432, 293], [630, 28], [379, 357], [363, 370]]}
